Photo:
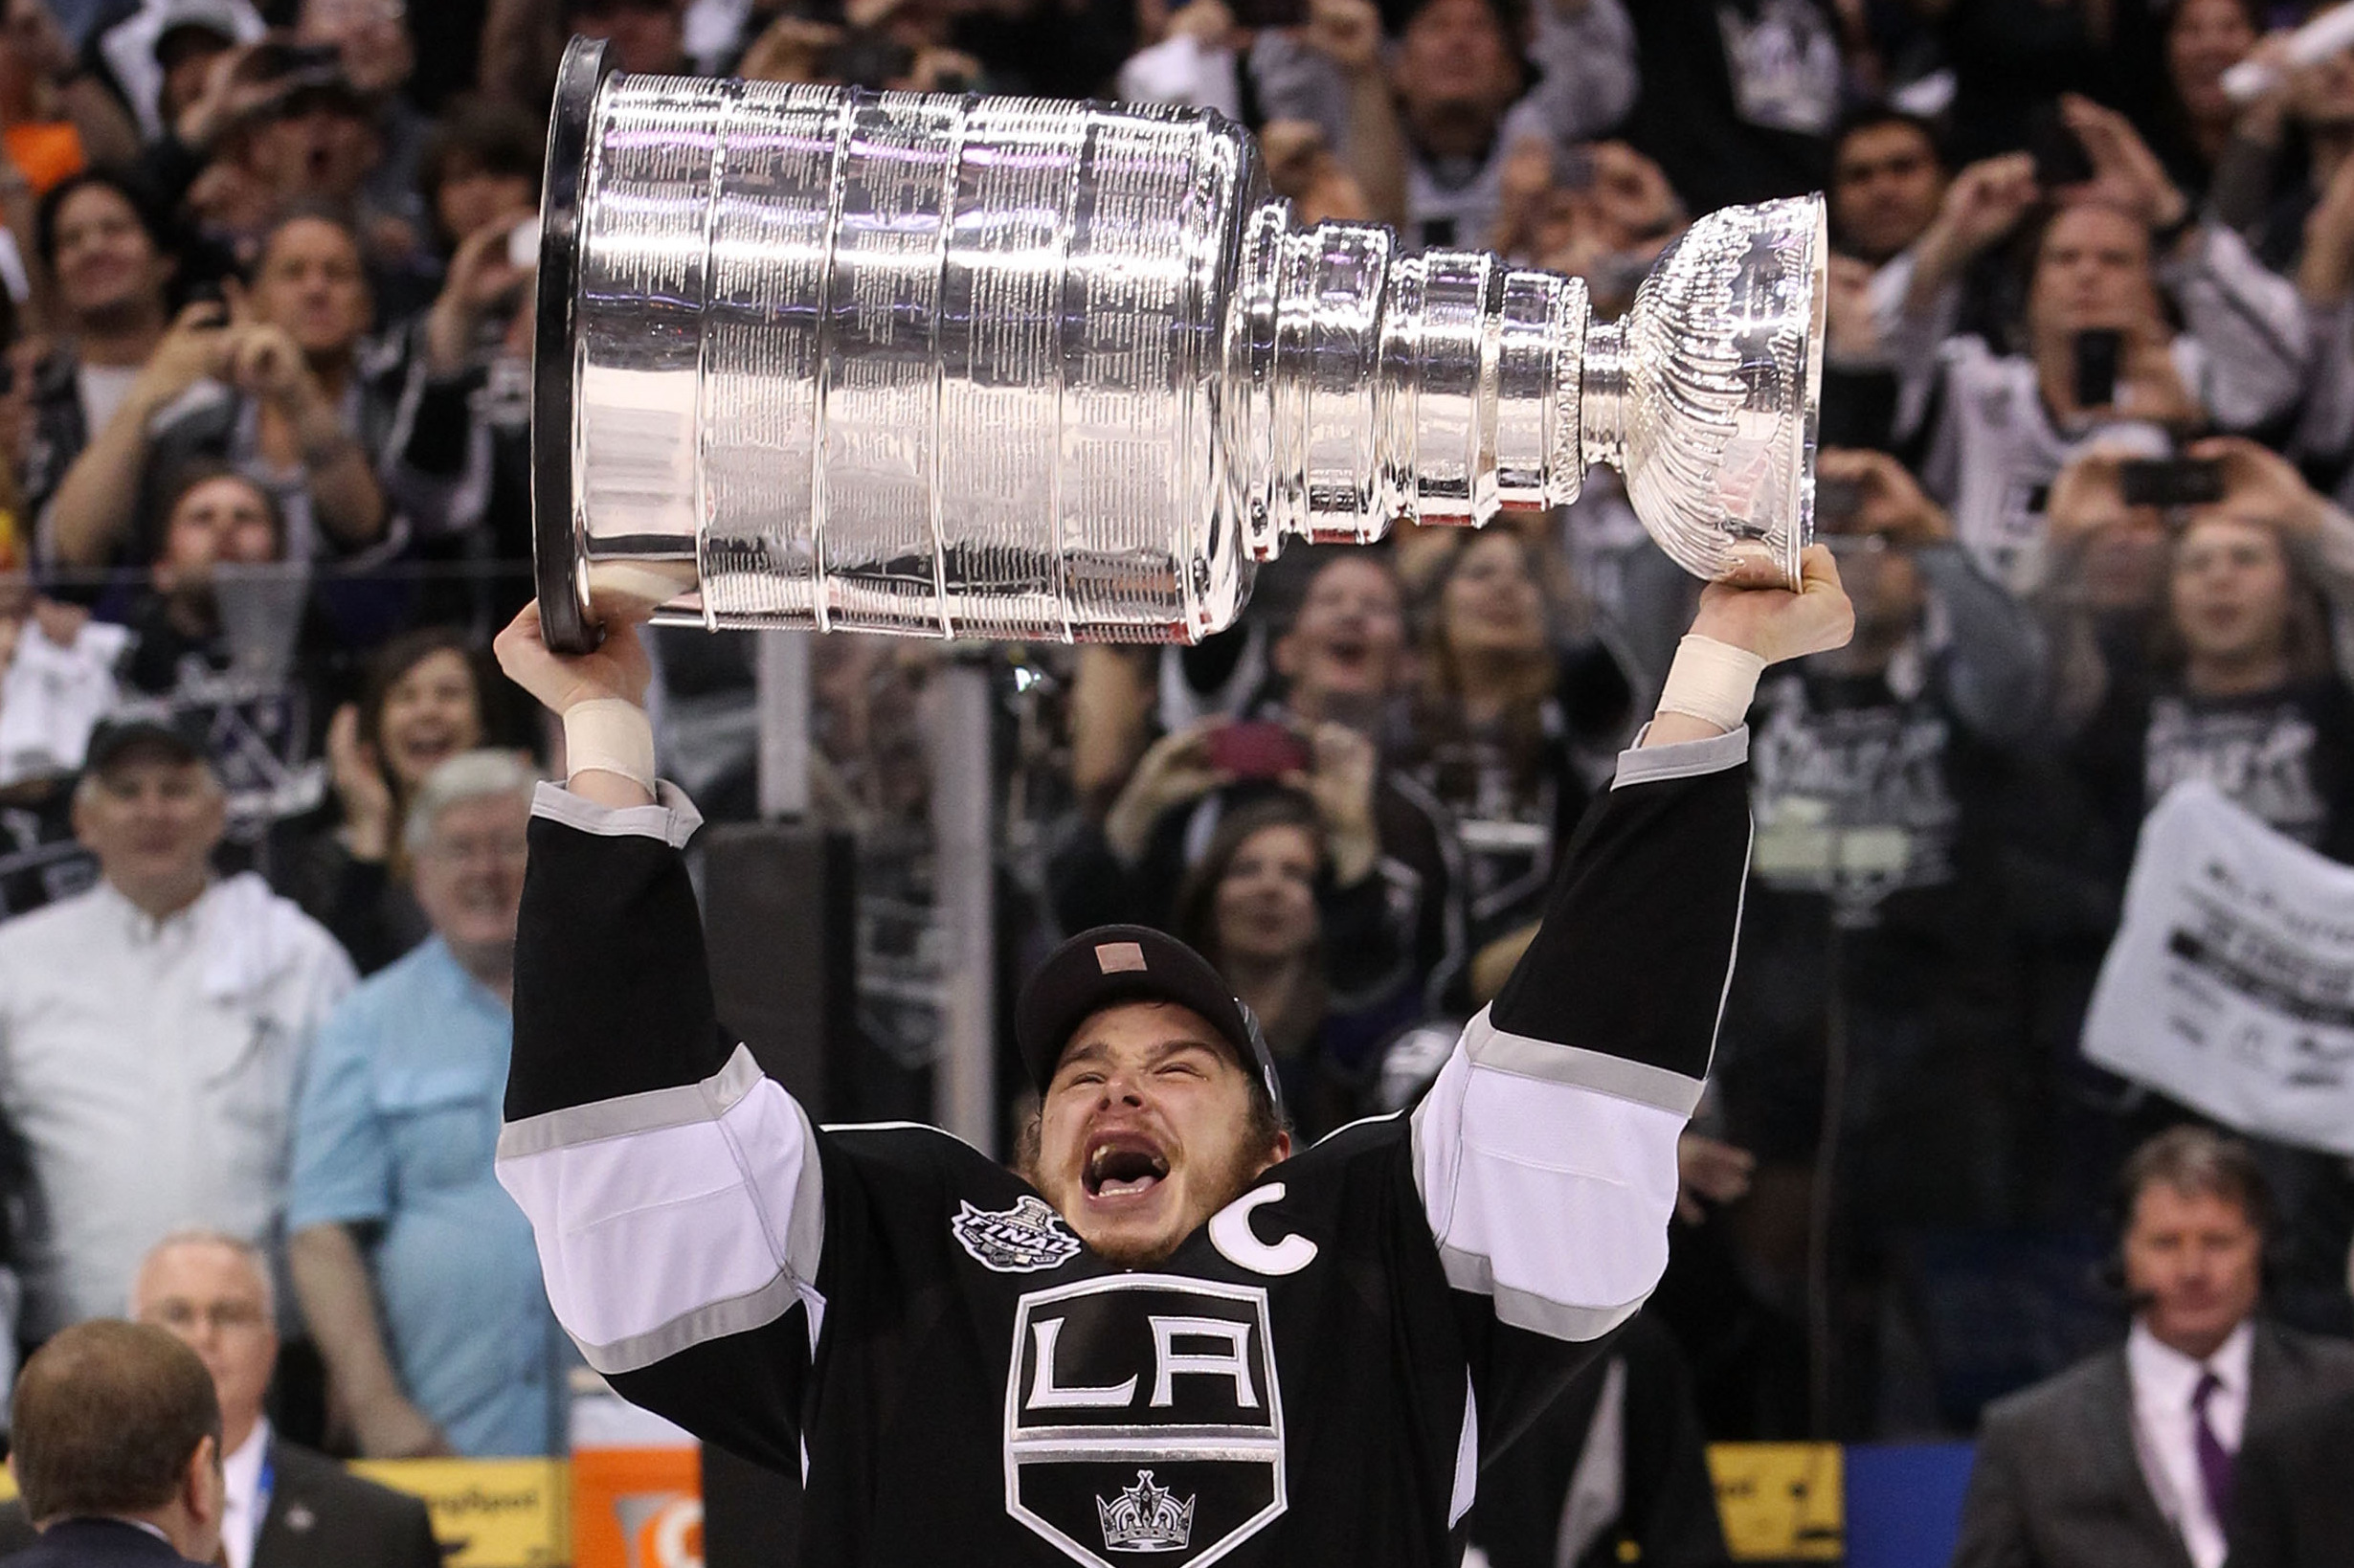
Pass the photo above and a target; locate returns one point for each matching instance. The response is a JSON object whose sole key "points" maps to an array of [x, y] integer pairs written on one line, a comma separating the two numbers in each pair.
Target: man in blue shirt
{"points": [[393, 1200]]}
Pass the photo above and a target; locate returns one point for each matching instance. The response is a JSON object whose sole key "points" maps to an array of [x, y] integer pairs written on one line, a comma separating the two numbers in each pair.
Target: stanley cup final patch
{"points": [[1022, 1240], [1143, 1419]]}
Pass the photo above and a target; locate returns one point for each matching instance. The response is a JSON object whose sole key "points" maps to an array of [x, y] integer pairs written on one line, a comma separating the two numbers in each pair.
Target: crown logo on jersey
{"points": [[1147, 1518], [1022, 1240]]}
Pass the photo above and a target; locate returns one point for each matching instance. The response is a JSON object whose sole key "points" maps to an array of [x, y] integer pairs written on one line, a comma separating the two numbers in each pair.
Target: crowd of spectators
{"points": [[2088, 444]]}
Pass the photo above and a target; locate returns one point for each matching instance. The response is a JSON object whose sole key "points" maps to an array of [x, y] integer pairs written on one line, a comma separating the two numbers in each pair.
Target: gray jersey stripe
{"points": [[1499, 1051], [1525, 1309], [651, 1111], [716, 1320], [1639, 764], [672, 818]]}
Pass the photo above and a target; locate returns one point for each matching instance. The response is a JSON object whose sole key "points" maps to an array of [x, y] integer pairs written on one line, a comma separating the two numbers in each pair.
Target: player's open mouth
{"points": [[1122, 1168]]}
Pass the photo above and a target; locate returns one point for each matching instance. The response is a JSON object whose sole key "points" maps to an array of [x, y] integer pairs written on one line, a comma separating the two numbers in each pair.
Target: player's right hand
{"points": [[618, 668]]}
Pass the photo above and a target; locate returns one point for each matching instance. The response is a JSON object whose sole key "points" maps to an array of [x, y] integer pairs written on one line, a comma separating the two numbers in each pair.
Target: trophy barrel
{"points": [[950, 366], [924, 365]]}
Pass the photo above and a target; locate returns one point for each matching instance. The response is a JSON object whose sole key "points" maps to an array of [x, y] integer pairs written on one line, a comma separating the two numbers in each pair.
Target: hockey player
{"points": [[1170, 1338]]}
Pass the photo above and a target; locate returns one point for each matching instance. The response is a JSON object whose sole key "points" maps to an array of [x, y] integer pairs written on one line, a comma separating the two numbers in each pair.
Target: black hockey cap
{"points": [[1113, 964], [180, 736]]}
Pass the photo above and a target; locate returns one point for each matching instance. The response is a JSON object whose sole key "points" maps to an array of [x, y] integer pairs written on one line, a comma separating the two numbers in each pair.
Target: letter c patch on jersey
{"points": [[1142, 1414], [1231, 1234], [1023, 1240]]}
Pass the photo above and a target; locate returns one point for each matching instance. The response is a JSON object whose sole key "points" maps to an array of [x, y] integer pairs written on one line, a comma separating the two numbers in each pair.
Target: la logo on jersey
{"points": [[1142, 1415], [1022, 1240]]}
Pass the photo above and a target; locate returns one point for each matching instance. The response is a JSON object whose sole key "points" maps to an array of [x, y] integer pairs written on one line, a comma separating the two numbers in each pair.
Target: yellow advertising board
{"points": [[1780, 1501], [488, 1513]]}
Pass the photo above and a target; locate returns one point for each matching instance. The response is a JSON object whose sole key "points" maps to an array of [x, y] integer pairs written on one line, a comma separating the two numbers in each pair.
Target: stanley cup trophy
{"points": [[972, 367]]}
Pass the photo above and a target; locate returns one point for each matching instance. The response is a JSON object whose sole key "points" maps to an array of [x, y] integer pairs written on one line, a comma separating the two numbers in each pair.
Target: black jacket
{"points": [[91, 1543], [2291, 1504], [321, 1516]]}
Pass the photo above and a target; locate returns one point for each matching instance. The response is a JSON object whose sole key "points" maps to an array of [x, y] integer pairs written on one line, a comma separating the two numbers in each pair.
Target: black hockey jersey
{"points": [[1313, 1378]]}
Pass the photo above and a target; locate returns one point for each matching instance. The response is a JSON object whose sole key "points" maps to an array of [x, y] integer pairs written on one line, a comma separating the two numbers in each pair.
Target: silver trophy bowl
{"points": [[953, 366]]}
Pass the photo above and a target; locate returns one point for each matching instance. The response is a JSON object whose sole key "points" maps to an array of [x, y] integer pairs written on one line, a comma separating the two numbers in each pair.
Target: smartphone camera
{"points": [[2171, 482], [2098, 351], [1257, 749]]}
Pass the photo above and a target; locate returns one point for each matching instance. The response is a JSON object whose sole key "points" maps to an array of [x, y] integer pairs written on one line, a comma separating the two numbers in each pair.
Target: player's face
{"points": [[1147, 1130]]}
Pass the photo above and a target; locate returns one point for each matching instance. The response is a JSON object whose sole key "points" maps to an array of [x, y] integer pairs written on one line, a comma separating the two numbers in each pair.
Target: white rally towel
{"points": [[52, 696], [2231, 984]]}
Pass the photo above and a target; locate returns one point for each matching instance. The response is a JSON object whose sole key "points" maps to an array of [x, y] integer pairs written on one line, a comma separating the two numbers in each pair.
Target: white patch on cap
{"points": [[1119, 957]]}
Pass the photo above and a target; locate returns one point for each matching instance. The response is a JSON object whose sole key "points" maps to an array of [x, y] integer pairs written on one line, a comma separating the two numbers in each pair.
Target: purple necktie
{"points": [[2214, 1462]]}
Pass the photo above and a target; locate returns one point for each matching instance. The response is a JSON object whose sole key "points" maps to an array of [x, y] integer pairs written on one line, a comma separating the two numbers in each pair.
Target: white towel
{"points": [[251, 936], [52, 696]]}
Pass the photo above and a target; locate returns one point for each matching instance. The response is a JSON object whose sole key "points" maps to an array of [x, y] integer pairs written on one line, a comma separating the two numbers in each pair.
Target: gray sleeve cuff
{"points": [[1641, 764], [672, 817]]}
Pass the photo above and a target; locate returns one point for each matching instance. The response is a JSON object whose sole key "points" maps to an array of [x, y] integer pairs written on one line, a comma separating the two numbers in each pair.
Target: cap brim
{"points": [[1110, 965], [116, 749]]}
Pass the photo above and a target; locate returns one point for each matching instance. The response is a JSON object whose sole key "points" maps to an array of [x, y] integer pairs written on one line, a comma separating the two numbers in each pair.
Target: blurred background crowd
{"points": [[2088, 443]]}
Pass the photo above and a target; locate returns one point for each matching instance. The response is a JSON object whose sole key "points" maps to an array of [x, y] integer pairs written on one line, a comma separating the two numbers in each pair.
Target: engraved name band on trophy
{"points": [[1004, 367]]}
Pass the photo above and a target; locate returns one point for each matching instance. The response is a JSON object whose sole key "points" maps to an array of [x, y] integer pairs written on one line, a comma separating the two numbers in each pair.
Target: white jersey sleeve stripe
{"points": [[1550, 1198], [657, 1237], [1466, 1489]]}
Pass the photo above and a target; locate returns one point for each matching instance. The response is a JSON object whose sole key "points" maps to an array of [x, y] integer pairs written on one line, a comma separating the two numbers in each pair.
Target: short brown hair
{"points": [[2198, 1161], [105, 1418]]}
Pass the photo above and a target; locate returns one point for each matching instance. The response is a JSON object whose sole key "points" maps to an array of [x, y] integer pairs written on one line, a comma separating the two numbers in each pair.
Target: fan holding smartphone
{"points": [[1329, 763], [2140, 326]]}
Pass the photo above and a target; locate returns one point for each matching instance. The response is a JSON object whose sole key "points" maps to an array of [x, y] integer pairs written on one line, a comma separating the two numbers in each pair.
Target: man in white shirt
{"points": [[152, 1031], [2126, 1459]]}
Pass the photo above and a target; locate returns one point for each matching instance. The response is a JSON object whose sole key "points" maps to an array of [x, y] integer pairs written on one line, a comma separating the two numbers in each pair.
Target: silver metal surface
{"points": [[1000, 367], [780, 678], [964, 869]]}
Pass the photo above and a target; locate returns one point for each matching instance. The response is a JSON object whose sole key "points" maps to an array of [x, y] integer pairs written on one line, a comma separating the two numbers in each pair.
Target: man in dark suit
{"points": [[2126, 1460], [2293, 1501], [117, 1451], [287, 1505]]}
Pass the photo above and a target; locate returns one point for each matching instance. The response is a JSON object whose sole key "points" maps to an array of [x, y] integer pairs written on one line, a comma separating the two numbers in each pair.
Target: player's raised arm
{"points": [[1545, 1152], [674, 1190]]}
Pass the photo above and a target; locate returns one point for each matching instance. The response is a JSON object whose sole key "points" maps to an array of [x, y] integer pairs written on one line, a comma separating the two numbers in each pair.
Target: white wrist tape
{"points": [[1712, 681], [609, 735]]}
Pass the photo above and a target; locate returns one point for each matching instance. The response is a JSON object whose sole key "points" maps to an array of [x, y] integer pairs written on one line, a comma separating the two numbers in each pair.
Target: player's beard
{"points": [[1221, 1188]]}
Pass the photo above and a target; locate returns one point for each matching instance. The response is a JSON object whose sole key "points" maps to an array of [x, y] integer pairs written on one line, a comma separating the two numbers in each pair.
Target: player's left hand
{"points": [[618, 667], [1749, 607]]}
